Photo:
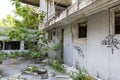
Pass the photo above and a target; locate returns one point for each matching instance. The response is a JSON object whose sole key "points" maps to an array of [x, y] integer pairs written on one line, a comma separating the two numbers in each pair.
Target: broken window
{"points": [[117, 22], [49, 35], [54, 33], [1, 45], [82, 30], [12, 45]]}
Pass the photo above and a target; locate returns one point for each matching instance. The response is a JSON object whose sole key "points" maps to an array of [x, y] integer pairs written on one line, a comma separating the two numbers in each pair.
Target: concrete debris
{"points": [[13, 71]]}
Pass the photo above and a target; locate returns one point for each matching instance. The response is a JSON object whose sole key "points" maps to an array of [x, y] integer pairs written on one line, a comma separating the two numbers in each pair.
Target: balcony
{"points": [[74, 12]]}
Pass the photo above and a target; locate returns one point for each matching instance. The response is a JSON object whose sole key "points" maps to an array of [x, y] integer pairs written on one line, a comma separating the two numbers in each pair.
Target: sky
{"points": [[5, 8]]}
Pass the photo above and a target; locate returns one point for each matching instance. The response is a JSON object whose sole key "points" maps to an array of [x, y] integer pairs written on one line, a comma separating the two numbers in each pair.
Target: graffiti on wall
{"points": [[111, 42], [80, 52]]}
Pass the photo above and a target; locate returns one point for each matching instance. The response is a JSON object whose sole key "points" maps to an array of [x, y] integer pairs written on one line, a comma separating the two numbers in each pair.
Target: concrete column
{"points": [[3, 45], [22, 45]]}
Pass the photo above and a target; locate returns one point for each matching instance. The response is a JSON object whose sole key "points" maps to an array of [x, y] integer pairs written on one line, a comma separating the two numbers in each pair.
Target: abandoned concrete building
{"points": [[11, 46], [89, 31]]}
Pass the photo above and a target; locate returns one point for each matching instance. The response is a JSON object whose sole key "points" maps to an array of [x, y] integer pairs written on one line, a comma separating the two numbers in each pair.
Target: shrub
{"points": [[57, 65], [80, 75], [33, 69], [3, 56], [36, 55]]}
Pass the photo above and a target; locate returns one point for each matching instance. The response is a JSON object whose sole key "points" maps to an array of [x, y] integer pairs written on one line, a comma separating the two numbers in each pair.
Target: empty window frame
{"points": [[1, 45], [50, 35], [117, 22], [12, 45], [82, 30]]}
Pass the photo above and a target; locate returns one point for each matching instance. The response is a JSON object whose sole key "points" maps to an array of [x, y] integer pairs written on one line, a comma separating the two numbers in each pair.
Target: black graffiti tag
{"points": [[79, 51], [111, 42]]}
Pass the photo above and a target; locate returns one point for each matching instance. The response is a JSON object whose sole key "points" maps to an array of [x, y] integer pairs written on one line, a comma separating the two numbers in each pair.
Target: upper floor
{"points": [[61, 12], [58, 10]]}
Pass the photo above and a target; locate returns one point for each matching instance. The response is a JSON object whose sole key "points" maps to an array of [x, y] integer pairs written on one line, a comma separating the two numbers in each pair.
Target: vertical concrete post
{"points": [[3, 45], [22, 45]]}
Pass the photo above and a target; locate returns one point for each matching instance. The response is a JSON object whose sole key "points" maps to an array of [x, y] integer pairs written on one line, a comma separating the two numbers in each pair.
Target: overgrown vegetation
{"points": [[32, 69], [25, 29], [3, 56], [57, 65], [18, 54], [57, 62], [81, 75], [57, 47]]}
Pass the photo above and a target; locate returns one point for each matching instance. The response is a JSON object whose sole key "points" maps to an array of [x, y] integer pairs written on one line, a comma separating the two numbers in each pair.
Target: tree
{"points": [[9, 21], [25, 28]]}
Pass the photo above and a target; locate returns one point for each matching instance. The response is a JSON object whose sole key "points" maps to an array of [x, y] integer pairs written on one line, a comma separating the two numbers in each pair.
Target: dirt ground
{"points": [[11, 69]]}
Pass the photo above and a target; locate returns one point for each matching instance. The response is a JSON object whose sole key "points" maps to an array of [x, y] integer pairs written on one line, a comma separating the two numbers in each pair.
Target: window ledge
{"points": [[81, 41]]}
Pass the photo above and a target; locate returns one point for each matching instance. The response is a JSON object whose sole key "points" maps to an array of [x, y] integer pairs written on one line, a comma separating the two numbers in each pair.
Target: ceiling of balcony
{"points": [[36, 2], [64, 2], [31, 2]]}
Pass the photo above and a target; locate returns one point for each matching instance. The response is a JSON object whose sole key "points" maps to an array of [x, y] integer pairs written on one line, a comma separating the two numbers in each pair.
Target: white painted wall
{"points": [[114, 63], [51, 8], [98, 55], [43, 5], [98, 60], [68, 48]]}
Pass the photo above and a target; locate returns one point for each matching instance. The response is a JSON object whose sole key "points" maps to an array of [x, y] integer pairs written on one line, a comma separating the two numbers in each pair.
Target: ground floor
{"points": [[12, 69], [91, 42], [14, 46]]}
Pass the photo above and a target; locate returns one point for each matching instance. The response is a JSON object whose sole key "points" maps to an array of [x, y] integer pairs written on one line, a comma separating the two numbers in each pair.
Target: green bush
{"points": [[3, 56], [36, 55], [80, 75], [57, 65], [18, 54], [33, 69], [57, 47], [12, 55]]}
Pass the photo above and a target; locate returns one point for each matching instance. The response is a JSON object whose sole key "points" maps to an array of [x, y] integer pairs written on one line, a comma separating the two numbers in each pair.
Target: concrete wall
{"points": [[97, 56], [52, 43], [43, 5], [98, 60], [68, 48]]}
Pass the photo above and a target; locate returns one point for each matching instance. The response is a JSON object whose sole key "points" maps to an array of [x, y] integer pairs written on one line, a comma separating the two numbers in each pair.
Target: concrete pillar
{"points": [[3, 45], [22, 45], [43, 5]]}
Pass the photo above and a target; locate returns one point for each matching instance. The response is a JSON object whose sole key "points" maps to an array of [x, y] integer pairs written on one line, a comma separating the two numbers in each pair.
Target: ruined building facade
{"points": [[89, 31]]}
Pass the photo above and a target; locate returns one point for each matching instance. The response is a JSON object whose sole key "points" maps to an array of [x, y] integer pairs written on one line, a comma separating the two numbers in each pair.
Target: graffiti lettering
{"points": [[111, 42], [79, 51]]}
